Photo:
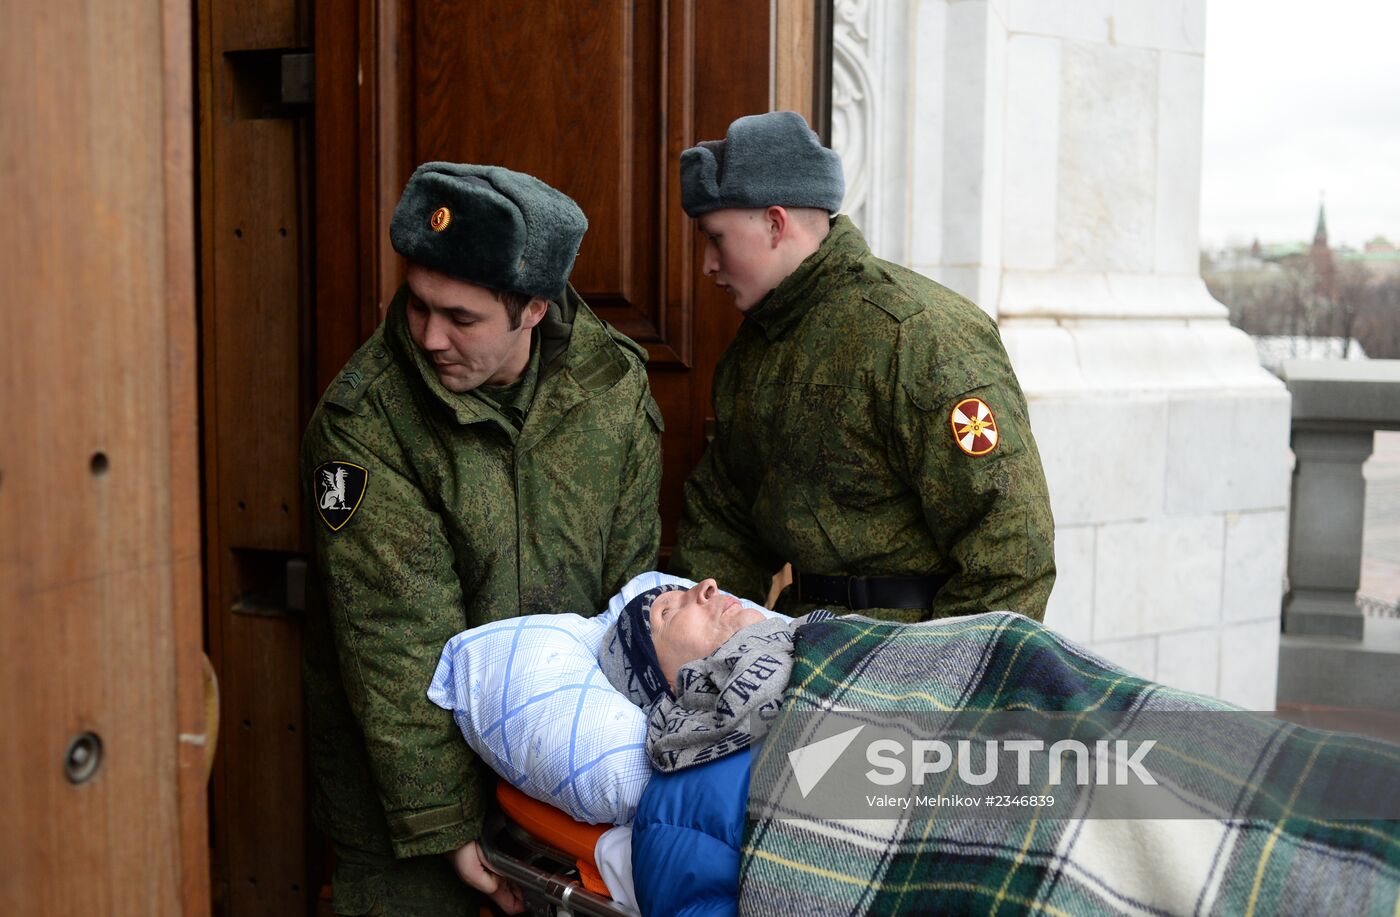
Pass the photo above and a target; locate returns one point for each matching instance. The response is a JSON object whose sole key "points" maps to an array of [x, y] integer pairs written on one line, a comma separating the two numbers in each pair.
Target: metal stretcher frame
{"points": [[546, 875]]}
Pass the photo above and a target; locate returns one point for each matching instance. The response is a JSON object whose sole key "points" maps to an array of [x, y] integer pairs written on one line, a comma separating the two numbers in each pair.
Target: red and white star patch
{"points": [[974, 426]]}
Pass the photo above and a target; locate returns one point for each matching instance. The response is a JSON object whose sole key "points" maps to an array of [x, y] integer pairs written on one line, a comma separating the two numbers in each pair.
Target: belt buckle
{"points": [[856, 594]]}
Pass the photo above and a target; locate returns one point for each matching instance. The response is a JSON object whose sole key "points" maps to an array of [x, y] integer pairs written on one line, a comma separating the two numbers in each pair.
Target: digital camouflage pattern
{"points": [[834, 448], [464, 519]]}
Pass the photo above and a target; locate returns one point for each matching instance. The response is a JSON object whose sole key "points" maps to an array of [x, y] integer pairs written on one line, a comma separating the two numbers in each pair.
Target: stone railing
{"points": [[1337, 407]]}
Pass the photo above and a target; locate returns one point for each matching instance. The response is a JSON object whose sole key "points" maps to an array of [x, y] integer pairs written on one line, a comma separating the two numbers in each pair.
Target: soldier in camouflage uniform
{"points": [[870, 430], [491, 450]]}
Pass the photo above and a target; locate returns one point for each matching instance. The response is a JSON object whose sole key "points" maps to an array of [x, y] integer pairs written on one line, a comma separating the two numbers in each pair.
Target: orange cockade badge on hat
{"points": [[440, 219], [974, 427]]}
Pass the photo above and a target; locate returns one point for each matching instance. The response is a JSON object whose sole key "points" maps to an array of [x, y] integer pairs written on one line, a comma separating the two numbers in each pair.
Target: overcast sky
{"points": [[1301, 97]]}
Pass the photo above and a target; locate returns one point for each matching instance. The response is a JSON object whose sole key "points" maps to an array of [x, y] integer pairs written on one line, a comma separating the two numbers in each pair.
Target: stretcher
{"points": [[547, 854]]}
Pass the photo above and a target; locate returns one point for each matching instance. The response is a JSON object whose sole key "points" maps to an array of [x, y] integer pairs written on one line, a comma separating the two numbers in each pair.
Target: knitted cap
{"points": [[489, 226], [763, 160], [629, 658]]}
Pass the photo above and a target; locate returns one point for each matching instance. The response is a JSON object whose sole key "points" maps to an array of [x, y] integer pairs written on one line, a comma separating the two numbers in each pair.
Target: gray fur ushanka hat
{"points": [[489, 226], [764, 160]]}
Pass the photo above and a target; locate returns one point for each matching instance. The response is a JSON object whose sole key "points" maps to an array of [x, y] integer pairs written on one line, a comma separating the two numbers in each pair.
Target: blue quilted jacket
{"points": [[685, 840]]}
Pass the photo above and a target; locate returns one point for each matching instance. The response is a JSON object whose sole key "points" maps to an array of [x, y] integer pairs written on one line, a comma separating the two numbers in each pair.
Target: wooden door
{"points": [[102, 773], [598, 98]]}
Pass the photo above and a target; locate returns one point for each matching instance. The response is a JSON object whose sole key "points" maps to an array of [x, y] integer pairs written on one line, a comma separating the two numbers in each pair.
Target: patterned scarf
{"points": [[728, 700]]}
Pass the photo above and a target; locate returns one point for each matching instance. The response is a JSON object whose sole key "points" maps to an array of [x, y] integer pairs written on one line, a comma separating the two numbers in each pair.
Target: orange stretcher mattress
{"points": [[558, 830]]}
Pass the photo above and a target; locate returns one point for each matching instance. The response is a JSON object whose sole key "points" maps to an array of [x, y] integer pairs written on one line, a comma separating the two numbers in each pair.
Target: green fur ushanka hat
{"points": [[489, 226], [764, 160]]}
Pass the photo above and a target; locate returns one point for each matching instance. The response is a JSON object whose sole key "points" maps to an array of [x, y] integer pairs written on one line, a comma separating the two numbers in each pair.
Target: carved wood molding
{"points": [[660, 314], [794, 57]]}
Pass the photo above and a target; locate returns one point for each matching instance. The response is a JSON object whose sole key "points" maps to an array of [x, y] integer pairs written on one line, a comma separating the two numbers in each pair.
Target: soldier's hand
{"points": [[472, 868]]}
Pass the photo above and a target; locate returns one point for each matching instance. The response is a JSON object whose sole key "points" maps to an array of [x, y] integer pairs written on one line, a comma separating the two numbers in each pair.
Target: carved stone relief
{"points": [[854, 107]]}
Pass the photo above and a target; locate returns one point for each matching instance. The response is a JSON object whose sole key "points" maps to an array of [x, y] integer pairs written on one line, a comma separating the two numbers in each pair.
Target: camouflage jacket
{"points": [[845, 444], [459, 520]]}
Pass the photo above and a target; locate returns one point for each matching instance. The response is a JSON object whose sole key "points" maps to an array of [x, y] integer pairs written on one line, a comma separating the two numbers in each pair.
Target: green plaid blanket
{"points": [[1052, 863]]}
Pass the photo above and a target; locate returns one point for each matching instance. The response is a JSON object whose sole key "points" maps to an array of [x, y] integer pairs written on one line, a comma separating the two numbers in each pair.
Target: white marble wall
{"points": [[1042, 157]]}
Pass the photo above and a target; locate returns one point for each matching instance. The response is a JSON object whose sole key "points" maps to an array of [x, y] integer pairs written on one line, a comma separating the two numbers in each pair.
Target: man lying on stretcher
{"points": [[532, 701], [710, 673], [712, 678]]}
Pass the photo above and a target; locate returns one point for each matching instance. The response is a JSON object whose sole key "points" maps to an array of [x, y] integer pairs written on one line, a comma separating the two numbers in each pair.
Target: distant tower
{"points": [[1324, 269]]}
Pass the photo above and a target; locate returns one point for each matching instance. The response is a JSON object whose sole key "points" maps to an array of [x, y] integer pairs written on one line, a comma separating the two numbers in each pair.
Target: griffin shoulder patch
{"points": [[340, 486]]}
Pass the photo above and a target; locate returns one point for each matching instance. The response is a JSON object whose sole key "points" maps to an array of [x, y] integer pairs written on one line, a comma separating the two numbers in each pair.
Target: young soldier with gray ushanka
{"points": [[492, 450], [870, 430]]}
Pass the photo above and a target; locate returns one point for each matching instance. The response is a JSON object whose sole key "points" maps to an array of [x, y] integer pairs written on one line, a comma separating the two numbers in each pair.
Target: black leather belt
{"points": [[858, 592]]}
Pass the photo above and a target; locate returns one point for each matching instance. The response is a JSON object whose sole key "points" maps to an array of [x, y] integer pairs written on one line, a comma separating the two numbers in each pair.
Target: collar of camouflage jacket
{"points": [[843, 248], [576, 362], [513, 401]]}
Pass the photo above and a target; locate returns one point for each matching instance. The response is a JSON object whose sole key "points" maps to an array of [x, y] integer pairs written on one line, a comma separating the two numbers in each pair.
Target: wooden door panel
{"points": [[575, 94], [99, 574]]}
